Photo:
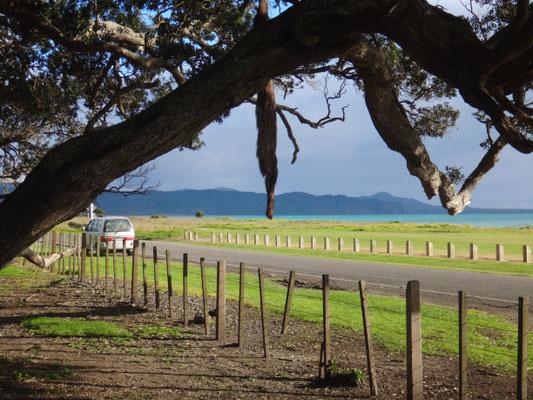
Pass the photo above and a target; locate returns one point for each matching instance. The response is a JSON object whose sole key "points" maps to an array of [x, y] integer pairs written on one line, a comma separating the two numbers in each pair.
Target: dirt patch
{"points": [[162, 362]]}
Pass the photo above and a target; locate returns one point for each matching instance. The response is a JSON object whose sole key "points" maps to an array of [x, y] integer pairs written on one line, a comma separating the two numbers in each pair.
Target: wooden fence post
{"points": [[264, 321], [221, 301], [185, 289], [97, 239], [473, 251], [228, 238], [196, 236], [267, 240], [288, 240], [429, 249], [145, 274], [325, 326], [169, 283], [370, 363], [53, 250], [463, 373], [256, 239], [83, 256], [220, 238], [499, 252], [62, 244], [451, 250], [185, 235], [237, 238], [521, 378], [313, 243], [124, 269], [204, 294], [526, 252], [246, 239], [91, 257], [415, 387], [301, 242], [115, 266], [288, 303], [356, 246], [278, 241], [242, 271], [341, 244], [106, 263], [389, 246], [70, 258], [135, 273], [326, 243], [372, 245], [213, 237], [156, 278], [408, 247]]}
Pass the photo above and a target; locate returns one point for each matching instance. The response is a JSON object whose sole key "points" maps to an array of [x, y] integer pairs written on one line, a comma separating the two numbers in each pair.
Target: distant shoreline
{"points": [[488, 220]]}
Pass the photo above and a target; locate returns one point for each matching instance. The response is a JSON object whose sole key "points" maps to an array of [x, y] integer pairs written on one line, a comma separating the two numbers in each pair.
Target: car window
{"points": [[117, 225], [97, 227], [90, 226]]}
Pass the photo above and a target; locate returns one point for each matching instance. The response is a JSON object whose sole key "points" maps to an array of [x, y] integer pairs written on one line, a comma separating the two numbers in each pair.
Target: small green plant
{"points": [[341, 377], [72, 327], [199, 214]]}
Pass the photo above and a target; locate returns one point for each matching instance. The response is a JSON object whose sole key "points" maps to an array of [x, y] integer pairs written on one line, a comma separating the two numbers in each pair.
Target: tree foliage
{"points": [[92, 90]]}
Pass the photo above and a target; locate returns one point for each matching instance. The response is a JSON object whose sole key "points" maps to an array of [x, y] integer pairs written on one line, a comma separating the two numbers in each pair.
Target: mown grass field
{"points": [[461, 236]]}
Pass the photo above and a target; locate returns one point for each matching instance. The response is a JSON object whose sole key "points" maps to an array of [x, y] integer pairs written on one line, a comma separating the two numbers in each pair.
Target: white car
{"points": [[111, 229]]}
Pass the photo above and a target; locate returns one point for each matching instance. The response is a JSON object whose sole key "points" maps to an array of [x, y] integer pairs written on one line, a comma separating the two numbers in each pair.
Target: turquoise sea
{"points": [[513, 220]]}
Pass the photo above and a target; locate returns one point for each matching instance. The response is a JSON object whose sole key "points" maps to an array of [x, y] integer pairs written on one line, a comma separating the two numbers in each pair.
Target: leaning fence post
{"points": [[371, 369], [325, 326], [414, 342], [185, 289], [221, 301], [264, 321], [156, 278], [242, 271], [134, 273], [169, 283], [521, 378], [145, 276], [288, 303], [463, 375], [83, 256], [204, 294]]}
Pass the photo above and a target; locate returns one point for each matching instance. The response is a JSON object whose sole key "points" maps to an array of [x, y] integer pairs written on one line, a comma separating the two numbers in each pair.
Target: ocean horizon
{"points": [[510, 220]]}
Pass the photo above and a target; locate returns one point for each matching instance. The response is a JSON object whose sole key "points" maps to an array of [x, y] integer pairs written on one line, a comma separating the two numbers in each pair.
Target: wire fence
{"points": [[493, 341]]}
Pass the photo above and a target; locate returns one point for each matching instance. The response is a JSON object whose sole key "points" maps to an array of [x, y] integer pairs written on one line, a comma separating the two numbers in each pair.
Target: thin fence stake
{"points": [[169, 283], [156, 278], [264, 321], [463, 375], [521, 376], [98, 260], [135, 273], [370, 362], [115, 266], [325, 326], [145, 274], [91, 240], [204, 294], [288, 303], [70, 258], [186, 289], [106, 263], [124, 268], [221, 301], [83, 256], [415, 387], [53, 250], [242, 271]]}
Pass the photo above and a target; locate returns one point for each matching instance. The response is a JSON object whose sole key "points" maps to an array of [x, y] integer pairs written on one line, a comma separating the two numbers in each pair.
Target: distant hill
{"points": [[225, 201]]}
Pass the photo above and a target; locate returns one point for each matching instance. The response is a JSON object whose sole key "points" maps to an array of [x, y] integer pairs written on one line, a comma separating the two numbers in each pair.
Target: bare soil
{"points": [[192, 365]]}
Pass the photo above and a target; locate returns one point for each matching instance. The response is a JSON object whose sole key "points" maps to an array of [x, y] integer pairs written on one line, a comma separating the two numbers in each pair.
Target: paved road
{"points": [[438, 285]]}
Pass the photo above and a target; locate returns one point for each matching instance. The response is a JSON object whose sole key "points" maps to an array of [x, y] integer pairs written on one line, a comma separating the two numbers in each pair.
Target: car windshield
{"points": [[117, 225]]}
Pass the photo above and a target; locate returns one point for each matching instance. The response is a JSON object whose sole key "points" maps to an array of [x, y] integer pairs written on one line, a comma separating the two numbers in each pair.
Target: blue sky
{"points": [[342, 158]]}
